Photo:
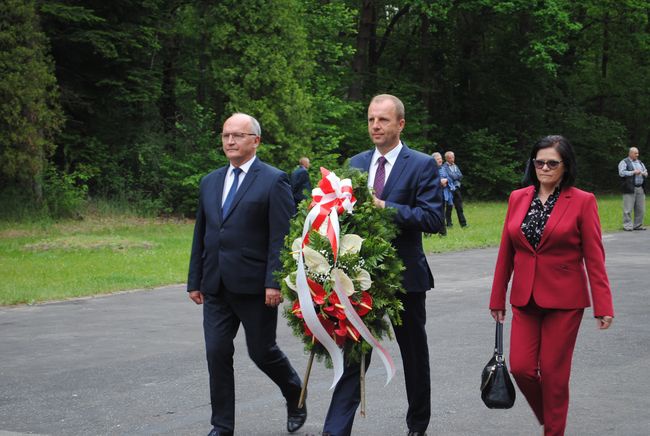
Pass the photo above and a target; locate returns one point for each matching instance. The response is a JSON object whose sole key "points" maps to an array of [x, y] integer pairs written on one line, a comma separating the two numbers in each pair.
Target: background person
{"points": [[454, 176], [634, 175], [242, 219], [551, 233], [300, 180], [447, 193]]}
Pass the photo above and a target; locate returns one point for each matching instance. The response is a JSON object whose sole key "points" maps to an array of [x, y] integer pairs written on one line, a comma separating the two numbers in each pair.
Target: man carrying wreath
{"points": [[407, 181]]}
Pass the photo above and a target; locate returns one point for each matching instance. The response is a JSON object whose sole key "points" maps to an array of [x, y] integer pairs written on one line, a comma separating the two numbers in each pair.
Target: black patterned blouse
{"points": [[535, 220]]}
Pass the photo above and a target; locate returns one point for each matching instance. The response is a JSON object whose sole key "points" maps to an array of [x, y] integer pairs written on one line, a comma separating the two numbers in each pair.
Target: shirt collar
{"points": [[244, 167], [391, 156], [554, 196]]}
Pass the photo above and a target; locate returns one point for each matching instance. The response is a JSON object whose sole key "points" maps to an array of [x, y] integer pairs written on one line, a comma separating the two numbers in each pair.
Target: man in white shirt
{"points": [[633, 174]]}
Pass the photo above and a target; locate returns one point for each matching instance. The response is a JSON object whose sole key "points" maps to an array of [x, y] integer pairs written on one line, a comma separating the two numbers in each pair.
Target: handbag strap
{"points": [[498, 341]]}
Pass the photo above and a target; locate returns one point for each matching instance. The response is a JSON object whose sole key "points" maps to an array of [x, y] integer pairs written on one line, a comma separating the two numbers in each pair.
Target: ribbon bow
{"points": [[332, 198]]}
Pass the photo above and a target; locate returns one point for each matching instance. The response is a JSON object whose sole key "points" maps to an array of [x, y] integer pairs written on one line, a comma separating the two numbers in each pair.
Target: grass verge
{"points": [[54, 261], [109, 252], [485, 221]]}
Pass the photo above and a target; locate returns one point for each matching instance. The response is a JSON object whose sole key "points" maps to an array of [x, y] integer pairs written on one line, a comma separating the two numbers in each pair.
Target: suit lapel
{"points": [[241, 191], [220, 179], [559, 209], [520, 214], [396, 172]]}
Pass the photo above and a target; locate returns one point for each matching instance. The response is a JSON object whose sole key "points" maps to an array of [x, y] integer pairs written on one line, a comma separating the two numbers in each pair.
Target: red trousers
{"points": [[541, 349]]}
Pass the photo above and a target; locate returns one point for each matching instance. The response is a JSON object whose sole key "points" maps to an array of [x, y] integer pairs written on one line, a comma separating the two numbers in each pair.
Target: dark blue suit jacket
{"points": [[299, 183], [413, 189], [242, 251]]}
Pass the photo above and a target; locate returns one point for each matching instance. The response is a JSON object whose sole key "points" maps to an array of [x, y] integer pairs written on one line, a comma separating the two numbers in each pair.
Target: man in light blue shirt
{"points": [[633, 174]]}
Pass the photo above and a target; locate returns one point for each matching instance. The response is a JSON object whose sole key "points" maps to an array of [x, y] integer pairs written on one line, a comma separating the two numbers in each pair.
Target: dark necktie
{"points": [[380, 177], [231, 194]]}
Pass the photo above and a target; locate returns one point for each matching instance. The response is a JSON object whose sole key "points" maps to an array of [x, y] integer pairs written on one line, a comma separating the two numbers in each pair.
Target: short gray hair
{"points": [[255, 125], [435, 154]]}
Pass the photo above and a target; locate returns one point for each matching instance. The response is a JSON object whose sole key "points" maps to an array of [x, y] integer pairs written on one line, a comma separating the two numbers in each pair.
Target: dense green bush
{"points": [[64, 194], [492, 167]]}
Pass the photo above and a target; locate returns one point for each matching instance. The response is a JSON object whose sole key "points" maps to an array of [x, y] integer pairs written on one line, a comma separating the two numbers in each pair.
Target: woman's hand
{"points": [[604, 322], [498, 315]]}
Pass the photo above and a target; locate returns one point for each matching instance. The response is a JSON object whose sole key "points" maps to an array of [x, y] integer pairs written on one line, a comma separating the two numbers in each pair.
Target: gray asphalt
{"points": [[133, 363]]}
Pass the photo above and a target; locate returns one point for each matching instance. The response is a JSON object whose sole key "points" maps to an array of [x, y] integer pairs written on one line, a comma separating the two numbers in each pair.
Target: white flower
{"points": [[315, 261], [343, 280], [363, 280], [291, 281], [350, 244], [295, 248]]}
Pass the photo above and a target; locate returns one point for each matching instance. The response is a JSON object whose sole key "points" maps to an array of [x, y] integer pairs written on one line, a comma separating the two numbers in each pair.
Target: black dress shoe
{"points": [[296, 416], [417, 433]]}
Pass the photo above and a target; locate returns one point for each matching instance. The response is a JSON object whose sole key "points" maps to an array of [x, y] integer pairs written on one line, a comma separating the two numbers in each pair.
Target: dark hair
{"points": [[564, 148]]}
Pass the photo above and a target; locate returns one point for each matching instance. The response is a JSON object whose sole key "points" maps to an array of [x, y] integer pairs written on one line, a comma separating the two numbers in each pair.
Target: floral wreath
{"points": [[341, 273]]}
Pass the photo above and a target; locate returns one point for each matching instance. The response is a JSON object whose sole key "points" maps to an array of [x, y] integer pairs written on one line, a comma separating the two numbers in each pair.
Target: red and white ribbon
{"points": [[332, 197], [356, 321]]}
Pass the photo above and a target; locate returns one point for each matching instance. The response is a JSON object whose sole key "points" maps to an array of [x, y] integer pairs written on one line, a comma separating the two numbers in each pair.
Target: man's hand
{"points": [[273, 297], [444, 182], [196, 296], [637, 171], [377, 202]]}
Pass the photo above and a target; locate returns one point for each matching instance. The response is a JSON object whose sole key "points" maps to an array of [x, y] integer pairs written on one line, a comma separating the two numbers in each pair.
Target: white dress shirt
{"points": [[230, 177], [391, 157]]}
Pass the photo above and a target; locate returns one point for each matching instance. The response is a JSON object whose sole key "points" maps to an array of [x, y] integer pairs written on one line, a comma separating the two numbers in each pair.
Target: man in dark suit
{"points": [[407, 181], [300, 180], [242, 219]]}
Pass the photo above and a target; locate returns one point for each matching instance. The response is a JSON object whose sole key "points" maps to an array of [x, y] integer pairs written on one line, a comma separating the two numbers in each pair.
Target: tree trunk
{"points": [[168, 107], [365, 34]]}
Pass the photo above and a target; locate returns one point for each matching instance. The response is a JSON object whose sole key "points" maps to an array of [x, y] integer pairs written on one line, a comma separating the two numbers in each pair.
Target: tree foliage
{"points": [[29, 110], [141, 87]]}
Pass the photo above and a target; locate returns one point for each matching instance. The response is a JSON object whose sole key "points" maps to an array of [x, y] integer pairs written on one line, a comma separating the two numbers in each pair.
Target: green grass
{"points": [[485, 221], [53, 261], [109, 251]]}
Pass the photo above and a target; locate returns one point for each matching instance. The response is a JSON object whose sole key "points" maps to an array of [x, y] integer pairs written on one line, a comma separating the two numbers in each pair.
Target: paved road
{"points": [[133, 363]]}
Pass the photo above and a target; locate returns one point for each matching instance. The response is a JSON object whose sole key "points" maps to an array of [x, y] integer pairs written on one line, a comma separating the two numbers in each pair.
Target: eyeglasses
{"points": [[237, 136], [552, 164]]}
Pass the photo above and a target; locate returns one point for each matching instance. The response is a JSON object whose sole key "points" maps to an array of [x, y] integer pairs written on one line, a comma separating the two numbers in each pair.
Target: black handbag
{"points": [[497, 390]]}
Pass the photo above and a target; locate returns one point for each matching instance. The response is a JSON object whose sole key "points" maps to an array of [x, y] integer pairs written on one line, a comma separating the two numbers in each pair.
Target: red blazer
{"points": [[555, 272]]}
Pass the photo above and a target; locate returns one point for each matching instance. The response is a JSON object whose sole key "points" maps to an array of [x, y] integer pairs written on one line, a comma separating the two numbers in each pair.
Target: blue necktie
{"points": [[231, 194]]}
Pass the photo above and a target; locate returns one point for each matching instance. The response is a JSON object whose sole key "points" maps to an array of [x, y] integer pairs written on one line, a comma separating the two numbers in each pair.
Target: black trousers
{"points": [[222, 315], [412, 340], [458, 204]]}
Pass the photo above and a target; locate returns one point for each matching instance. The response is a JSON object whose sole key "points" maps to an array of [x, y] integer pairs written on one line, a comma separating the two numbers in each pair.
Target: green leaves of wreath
{"points": [[376, 255]]}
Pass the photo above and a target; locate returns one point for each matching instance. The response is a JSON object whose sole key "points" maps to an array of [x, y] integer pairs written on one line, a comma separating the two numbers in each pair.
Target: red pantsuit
{"points": [[548, 294]]}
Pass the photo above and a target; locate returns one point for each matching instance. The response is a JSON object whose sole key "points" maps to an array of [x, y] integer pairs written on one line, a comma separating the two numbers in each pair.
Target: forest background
{"points": [[123, 100]]}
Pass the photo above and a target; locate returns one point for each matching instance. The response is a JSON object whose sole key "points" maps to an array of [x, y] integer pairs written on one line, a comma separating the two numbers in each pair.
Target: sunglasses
{"points": [[552, 164]]}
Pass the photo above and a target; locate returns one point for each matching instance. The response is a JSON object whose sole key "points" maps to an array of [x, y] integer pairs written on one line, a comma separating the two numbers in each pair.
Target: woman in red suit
{"points": [[551, 244]]}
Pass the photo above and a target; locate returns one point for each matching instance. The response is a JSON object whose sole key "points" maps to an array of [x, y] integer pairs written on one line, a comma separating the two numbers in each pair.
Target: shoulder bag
{"points": [[497, 390]]}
